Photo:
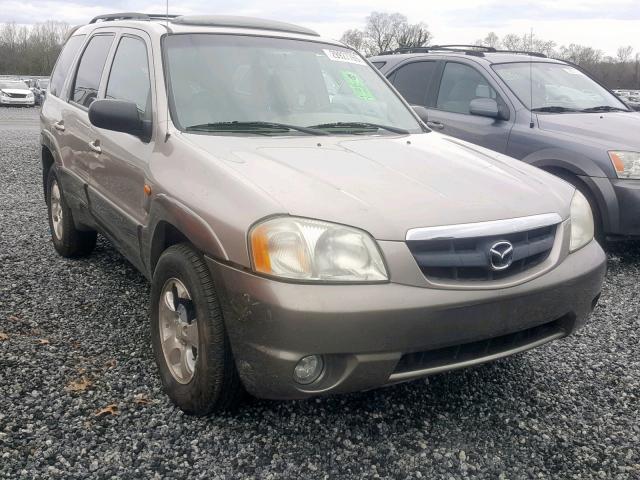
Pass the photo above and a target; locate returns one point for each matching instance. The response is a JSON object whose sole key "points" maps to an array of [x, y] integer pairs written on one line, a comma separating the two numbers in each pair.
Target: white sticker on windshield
{"points": [[344, 56]]}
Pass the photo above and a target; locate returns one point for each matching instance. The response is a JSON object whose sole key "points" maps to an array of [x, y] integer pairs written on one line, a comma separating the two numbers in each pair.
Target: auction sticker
{"points": [[344, 56]]}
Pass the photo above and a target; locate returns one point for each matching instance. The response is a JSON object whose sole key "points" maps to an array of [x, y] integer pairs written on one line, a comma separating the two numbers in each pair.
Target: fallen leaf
{"points": [[79, 385], [111, 363], [13, 318], [3, 337], [108, 410], [81, 370], [141, 399], [43, 341]]}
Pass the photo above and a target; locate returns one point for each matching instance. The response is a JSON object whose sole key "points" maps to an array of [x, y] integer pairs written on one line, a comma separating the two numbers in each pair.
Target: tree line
{"points": [[30, 50], [384, 32], [33, 50]]}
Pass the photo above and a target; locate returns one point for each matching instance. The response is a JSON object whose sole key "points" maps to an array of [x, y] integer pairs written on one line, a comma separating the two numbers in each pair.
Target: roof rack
{"points": [[110, 17], [242, 22], [523, 52], [475, 50]]}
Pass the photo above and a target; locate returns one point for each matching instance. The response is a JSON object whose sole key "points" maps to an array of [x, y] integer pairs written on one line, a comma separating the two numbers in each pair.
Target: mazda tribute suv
{"points": [[304, 232]]}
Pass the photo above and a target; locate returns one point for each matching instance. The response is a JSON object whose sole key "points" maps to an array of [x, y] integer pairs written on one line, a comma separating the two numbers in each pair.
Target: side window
{"points": [[129, 76], [413, 80], [87, 81], [61, 70], [460, 84], [379, 64]]}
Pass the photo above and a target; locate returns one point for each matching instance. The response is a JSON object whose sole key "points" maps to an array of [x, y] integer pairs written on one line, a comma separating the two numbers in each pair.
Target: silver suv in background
{"points": [[545, 112], [303, 231]]}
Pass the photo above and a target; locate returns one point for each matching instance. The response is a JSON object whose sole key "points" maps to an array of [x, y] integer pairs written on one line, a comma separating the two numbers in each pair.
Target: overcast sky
{"points": [[598, 23]]}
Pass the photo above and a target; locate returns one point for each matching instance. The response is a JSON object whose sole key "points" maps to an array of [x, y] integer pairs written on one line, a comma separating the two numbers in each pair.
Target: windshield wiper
{"points": [[604, 108], [554, 109], [254, 126], [357, 125]]}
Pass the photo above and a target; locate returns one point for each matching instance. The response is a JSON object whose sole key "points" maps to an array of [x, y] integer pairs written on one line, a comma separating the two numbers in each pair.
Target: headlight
{"points": [[312, 250], [626, 164], [581, 222], [2, 94]]}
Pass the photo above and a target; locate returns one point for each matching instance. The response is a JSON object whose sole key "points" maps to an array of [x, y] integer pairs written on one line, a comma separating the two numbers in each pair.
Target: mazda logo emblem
{"points": [[500, 255]]}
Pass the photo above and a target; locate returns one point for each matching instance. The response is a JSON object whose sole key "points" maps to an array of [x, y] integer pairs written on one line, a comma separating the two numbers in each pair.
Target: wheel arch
{"points": [[172, 223], [598, 186]]}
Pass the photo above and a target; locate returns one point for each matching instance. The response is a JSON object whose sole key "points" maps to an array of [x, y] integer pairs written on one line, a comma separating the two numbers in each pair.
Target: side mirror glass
{"points": [[484, 107], [421, 112], [119, 116]]}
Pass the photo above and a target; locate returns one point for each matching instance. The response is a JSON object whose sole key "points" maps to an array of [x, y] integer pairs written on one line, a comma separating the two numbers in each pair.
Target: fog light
{"points": [[308, 369]]}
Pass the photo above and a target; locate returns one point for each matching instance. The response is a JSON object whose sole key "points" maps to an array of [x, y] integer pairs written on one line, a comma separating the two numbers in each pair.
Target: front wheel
{"points": [[190, 343]]}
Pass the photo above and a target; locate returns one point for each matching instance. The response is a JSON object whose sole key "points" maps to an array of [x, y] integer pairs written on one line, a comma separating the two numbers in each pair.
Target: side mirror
{"points": [[484, 107], [421, 112], [119, 116]]}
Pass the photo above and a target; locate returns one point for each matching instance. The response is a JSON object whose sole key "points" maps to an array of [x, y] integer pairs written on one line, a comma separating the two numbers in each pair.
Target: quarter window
{"points": [[413, 80], [460, 84], [63, 64], [129, 77], [85, 88]]}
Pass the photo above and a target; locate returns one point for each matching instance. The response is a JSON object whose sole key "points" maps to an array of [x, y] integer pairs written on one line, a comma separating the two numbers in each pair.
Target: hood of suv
{"points": [[388, 185], [615, 129], [18, 91]]}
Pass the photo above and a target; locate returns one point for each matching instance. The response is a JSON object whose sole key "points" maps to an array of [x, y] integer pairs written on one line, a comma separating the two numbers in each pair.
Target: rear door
{"points": [[117, 188], [54, 133], [459, 84], [82, 158], [414, 80]]}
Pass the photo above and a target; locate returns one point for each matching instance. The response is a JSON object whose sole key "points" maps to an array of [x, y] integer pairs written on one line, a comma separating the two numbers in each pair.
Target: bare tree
{"points": [[624, 54], [491, 40], [416, 35], [382, 29], [354, 38]]}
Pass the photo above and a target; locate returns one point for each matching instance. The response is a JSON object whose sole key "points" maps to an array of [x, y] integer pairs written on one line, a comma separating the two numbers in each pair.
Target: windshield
{"points": [[16, 84], [555, 87], [253, 85]]}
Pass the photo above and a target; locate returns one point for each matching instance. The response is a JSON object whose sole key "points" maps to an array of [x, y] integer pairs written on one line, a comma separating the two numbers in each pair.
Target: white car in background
{"points": [[16, 92]]}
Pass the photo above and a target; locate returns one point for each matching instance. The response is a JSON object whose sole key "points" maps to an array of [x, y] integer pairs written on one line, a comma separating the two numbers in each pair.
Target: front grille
{"points": [[467, 259], [17, 95], [467, 352]]}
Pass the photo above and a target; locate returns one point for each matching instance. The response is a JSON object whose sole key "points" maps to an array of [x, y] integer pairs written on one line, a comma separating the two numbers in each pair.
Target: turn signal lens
{"points": [[626, 164]]}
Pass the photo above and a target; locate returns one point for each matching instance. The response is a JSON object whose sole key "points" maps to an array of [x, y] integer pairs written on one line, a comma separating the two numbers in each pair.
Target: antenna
{"points": [[166, 85], [531, 122]]}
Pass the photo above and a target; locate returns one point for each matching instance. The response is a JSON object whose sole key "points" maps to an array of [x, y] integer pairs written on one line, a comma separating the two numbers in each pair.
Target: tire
{"points": [[598, 229], [67, 239], [203, 380]]}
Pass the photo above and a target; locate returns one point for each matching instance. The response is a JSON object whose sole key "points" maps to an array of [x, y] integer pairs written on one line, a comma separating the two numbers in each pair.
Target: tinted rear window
{"points": [[85, 88], [413, 80], [64, 63]]}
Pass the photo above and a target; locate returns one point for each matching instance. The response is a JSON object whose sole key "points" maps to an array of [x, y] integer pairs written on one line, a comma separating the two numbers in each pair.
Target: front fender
{"points": [[560, 161], [166, 209]]}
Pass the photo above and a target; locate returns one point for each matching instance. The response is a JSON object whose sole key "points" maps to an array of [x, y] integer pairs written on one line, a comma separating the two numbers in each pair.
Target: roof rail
{"points": [[475, 50], [110, 17], [242, 22], [523, 52]]}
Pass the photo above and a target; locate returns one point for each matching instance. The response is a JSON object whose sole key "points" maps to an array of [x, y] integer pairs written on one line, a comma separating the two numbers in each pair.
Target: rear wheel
{"points": [[67, 239], [189, 339]]}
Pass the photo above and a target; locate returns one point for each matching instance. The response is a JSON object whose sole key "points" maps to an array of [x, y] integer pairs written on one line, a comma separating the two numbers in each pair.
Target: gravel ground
{"points": [[79, 395]]}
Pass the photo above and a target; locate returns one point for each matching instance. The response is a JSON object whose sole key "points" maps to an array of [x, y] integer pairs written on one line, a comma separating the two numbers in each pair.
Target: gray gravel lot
{"points": [[76, 341]]}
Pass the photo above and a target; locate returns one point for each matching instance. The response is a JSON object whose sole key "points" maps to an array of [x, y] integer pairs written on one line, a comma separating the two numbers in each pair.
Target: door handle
{"points": [[435, 125], [59, 125], [95, 146]]}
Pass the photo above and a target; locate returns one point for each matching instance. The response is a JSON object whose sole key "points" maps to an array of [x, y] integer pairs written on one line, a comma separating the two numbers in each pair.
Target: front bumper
{"points": [[374, 335], [17, 101]]}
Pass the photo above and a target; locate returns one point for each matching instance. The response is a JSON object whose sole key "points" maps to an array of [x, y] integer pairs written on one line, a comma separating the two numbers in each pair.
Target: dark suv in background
{"points": [[546, 112]]}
